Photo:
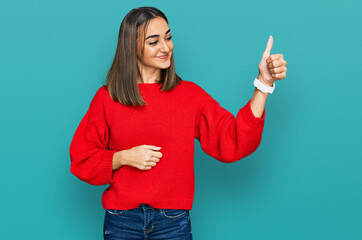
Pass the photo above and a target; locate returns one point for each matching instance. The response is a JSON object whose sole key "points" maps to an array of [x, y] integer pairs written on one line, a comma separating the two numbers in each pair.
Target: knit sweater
{"points": [[170, 120]]}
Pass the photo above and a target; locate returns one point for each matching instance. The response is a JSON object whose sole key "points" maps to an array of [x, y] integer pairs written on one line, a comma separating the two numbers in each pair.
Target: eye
{"points": [[153, 43]]}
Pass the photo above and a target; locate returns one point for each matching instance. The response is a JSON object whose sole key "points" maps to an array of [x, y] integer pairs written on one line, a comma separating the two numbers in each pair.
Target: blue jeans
{"points": [[147, 223]]}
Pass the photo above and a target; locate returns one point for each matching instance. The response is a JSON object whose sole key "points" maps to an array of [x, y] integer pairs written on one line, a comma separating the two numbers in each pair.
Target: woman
{"points": [[138, 133]]}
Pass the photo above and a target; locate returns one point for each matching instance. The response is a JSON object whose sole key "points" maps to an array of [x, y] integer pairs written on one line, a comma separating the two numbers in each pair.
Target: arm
{"points": [[227, 138], [224, 137], [258, 100], [91, 159], [271, 68]]}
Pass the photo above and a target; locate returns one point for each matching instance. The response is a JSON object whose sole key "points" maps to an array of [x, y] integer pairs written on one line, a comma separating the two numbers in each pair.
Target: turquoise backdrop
{"points": [[303, 182]]}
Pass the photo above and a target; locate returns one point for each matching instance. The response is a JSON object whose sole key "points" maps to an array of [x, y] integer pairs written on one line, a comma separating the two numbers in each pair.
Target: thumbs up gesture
{"points": [[271, 67]]}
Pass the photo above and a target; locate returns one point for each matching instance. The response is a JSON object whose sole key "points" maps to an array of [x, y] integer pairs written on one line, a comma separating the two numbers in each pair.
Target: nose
{"points": [[164, 47]]}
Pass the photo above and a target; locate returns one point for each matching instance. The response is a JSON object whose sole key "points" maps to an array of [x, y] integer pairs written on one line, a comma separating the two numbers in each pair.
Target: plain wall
{"points": [[304, 180]]}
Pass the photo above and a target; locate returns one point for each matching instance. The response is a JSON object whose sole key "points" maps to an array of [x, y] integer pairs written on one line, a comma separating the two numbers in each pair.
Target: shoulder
{"points": [[196, 89], [101, 94], [199, 93], [99, 98], [189, 84]]}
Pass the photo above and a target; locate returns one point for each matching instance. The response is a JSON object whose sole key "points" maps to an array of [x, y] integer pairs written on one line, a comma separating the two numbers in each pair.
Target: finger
{"points": [[149, 163], [152, 153], [279, 75], [152, 164], [154, 159], [269, 45], [144, 166], [276, 63], [274, 57], [153, 156], [152, 147], [278, 69]]}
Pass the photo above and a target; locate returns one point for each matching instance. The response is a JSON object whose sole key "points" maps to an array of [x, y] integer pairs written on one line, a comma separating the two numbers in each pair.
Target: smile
{"points": [[163, 57]]}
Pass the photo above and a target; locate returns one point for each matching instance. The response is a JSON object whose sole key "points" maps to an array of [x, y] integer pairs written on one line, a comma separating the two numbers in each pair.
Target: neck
{"points": [[149, 74]]}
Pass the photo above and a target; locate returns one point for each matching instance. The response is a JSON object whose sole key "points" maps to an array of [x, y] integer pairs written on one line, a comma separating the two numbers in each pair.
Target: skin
{"points": [[271, 68], [150, 65], [144, 157]]}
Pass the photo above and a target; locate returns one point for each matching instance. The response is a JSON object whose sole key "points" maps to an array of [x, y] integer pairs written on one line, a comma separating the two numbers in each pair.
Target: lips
{"points": [[163, 56]]}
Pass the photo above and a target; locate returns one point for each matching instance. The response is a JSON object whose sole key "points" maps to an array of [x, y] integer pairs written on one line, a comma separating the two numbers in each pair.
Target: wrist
{"points": [[258, 91], [260, 86], [119, 159], [261, 79]]}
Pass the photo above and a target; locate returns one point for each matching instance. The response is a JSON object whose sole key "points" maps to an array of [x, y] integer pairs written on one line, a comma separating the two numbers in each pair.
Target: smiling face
{"points": [[158, 46]]}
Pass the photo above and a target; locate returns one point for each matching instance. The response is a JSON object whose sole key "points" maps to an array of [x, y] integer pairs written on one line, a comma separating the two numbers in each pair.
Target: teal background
{"points": [[304, 180]]}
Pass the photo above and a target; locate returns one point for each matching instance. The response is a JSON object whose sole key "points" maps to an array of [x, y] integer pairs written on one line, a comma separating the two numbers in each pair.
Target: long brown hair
{"points": [[121, 78]]}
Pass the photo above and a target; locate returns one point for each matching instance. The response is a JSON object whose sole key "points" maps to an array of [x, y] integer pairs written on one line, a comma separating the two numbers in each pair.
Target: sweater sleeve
{"points": [[91, 159], [224, 137]]}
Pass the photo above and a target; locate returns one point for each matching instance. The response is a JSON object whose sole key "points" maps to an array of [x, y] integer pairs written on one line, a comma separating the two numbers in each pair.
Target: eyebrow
{"points": [[157, 35]]}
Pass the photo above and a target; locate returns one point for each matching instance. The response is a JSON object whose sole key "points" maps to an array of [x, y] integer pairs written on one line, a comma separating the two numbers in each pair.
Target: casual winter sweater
{"points": [[170, 120]]}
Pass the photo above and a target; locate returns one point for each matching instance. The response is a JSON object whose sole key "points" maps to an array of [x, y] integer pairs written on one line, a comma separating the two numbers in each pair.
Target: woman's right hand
{"points": [[143, 157]]}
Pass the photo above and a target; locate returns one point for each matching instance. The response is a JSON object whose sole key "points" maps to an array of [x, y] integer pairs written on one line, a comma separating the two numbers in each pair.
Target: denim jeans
{"points": [[147, 223]]}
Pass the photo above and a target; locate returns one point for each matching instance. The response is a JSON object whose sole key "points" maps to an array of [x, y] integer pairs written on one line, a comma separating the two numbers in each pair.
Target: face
{"points": [[158, 45]]}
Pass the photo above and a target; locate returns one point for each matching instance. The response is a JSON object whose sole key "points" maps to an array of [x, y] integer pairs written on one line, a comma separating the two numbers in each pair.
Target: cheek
{"points": [[150, 52]]}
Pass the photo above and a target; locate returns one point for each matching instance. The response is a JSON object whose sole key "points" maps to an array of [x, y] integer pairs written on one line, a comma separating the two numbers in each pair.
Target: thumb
{"points": [[269, 45], [152, 147]]}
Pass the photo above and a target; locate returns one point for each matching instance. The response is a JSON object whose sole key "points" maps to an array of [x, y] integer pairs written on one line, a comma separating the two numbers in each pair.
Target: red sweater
{"points": [[170, 120]]}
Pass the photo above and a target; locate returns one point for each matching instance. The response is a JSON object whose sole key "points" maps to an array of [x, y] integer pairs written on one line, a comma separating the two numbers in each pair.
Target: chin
{"points": [[164, 66]]}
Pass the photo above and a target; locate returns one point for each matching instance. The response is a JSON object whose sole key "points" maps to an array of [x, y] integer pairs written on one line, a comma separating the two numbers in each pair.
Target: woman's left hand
{"points": [[271, 67]]}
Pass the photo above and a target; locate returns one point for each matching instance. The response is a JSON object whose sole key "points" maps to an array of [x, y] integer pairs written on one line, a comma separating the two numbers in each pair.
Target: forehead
{"points": [[157, 25]]}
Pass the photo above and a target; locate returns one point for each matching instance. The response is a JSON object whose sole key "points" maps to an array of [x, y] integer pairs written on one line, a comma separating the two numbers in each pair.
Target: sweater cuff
{"points": [[107, 165], [249, 118]]}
